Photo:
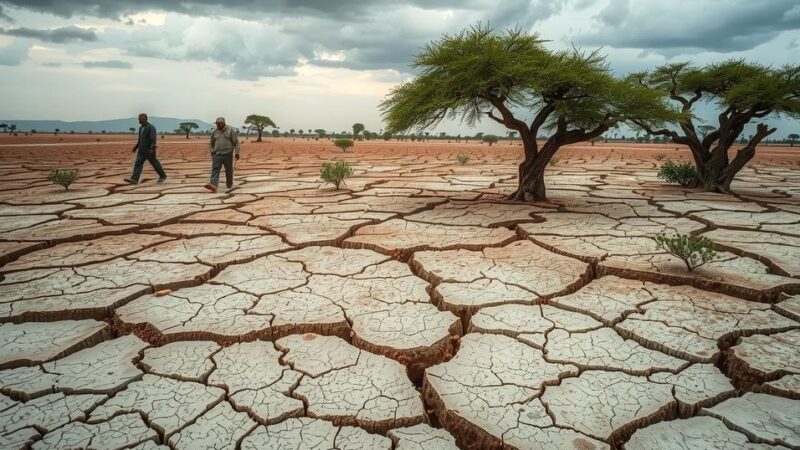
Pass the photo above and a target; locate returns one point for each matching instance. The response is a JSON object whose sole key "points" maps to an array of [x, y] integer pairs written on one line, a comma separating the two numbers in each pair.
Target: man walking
{"points": [[224, 147], [146, 146]]}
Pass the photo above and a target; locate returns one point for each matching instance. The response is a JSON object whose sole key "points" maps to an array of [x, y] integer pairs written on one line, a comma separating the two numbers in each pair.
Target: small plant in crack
{"points": [[63, 177], [462, 158], [694, 252], [335, 172]]}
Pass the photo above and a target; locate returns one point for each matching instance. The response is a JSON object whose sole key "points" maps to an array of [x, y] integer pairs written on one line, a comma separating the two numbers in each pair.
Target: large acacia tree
{"points": [[512, 79], [259, 123], [187, 127], [743, 92]]}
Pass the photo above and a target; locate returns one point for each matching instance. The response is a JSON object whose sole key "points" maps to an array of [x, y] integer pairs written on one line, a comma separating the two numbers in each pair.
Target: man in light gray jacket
{"points": [[224, 147]]}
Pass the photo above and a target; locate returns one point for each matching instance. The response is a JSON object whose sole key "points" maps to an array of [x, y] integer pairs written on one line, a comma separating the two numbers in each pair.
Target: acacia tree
{"points": [[187, 127], [793, 138], [478, 73], [744, 93], [4, 126], [259, 123]]}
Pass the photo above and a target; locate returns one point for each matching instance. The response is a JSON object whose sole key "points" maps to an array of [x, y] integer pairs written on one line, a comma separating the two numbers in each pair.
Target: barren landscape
{"points": [[415, 308]]}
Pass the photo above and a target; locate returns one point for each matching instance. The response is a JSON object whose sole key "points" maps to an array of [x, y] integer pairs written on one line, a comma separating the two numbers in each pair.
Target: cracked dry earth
{"points": [[413, 309]]}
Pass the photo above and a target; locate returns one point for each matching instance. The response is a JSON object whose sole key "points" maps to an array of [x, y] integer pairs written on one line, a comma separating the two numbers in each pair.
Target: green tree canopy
{"points": [[743, 92], [357, 128], [259, 123], [187, 127], [793, 138], [479, 73], [343, 144], [490, 139]]}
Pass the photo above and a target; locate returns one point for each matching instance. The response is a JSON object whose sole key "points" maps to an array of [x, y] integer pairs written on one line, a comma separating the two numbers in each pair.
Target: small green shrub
{"points": [[554, 160], [681, 173], [63, 177], [462, 158], [335, 172], [343, 144], [694, 252], [660, 156]]}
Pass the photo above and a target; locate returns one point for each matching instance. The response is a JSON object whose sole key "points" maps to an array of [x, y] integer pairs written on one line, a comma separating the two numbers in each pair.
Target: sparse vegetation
{"points": [[343, 144], [661, 156], [335, 172], [63, 177], [554, 160], [681, 173], [694, 252], [462, 158]]}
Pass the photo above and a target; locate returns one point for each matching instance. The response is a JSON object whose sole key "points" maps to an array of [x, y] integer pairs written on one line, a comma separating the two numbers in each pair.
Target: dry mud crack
{"points": [[413, 309]]}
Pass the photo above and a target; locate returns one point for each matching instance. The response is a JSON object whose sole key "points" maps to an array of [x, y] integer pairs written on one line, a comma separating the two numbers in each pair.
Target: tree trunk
{"points": [[259, 134], [710, 177], [715, 174], [531, 181], [532, 188]]}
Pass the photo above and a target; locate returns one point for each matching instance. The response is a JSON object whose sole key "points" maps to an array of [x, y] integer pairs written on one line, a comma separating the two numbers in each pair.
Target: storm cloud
{"points": [[56, 35], [712, 25]]}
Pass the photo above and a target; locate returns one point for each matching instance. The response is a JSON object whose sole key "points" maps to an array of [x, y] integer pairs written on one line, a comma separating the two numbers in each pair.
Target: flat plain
{"points": [[414, 308]]}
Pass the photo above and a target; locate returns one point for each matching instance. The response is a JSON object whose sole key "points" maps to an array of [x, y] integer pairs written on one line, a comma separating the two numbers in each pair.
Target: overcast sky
{"points": [[329, 63]]}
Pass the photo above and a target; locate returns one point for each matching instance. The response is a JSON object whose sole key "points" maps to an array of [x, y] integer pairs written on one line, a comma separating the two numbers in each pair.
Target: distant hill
{"points": [[165, 124]]}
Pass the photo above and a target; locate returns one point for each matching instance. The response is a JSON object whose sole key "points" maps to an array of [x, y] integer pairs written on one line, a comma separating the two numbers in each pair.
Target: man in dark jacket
{"points": [[146, 146]]}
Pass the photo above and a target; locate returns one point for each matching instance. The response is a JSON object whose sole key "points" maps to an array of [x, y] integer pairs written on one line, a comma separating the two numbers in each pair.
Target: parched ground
{"points": [[412, 309]]}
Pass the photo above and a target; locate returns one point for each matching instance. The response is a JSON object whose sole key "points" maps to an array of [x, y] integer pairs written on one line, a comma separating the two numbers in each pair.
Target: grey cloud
{"points": [[232, 8], [721, 25], [246, 49], [14, 53], [51, 64], [110, 64], [249, 39], [4, 16], [57, 35]]}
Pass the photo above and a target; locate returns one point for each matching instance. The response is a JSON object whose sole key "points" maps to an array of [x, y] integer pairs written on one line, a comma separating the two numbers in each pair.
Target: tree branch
{"points": [[495, 118], [541, 117], [746, 153]]}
